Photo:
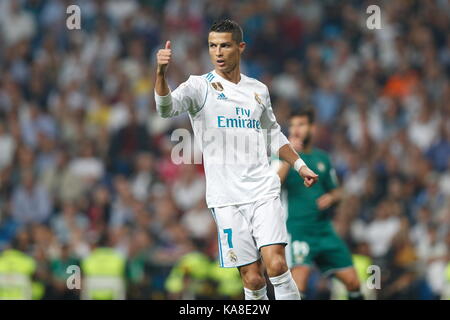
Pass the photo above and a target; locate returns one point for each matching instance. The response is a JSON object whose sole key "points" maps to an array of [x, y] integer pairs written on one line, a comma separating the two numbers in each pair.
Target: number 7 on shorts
{"points": [[229, 233]]}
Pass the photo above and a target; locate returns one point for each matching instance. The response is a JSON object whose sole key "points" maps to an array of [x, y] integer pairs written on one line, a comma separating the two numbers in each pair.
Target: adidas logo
{"points": [[221, 96]]}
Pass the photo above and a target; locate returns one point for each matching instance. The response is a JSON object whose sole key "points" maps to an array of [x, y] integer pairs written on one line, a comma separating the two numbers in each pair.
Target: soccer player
{"points": [[312, 238], [231, 115]]}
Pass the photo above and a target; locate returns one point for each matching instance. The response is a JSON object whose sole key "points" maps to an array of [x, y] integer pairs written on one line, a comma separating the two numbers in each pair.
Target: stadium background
{"points": [[85, 160]]}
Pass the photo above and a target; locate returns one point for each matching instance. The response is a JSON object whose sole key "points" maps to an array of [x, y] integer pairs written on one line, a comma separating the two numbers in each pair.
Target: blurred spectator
{"points": [[60, 181], [198, 221], [432, 252], [401, 264], [130, 139], [66, 221], [30, 201], [7, 146], [122, 204], [382, 229], [86, 165], [17, 24], [189, 188], [144, 177], [59, 266]]}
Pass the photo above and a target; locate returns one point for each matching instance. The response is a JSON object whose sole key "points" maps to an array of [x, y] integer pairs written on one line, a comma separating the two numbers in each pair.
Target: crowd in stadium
{"points": [[85, 161]]}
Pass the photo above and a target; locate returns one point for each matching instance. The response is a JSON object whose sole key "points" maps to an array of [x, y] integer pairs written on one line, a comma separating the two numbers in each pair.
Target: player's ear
{"points": [[242, 47]]}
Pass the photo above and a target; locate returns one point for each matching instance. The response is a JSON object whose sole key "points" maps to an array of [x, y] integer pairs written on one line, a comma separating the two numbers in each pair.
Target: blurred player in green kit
{"points": [[312, 236]]}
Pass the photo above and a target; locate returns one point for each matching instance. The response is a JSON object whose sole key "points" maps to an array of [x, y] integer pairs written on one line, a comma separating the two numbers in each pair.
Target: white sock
{"points": [[260, 294], [285, 287]]}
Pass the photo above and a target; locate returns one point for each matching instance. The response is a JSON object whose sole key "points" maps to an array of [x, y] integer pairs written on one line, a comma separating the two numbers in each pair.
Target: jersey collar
{"points": [[228, 81]]}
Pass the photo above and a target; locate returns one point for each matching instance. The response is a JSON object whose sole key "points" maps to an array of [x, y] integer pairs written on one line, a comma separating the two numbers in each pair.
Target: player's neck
{"points": [[232, 76]]}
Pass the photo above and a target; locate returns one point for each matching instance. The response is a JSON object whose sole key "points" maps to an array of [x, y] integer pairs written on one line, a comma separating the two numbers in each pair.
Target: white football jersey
{"points": [[236, 130]]}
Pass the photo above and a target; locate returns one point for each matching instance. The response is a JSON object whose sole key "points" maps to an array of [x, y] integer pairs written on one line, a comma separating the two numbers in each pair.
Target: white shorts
{"points": [[244, 229]]}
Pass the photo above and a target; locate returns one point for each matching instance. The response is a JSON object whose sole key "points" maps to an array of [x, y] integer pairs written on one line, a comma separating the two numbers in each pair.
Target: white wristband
{"points": [[298, 164]]}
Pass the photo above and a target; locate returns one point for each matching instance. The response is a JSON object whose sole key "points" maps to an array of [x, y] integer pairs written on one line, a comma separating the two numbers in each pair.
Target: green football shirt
{"points": [[302, 201]]}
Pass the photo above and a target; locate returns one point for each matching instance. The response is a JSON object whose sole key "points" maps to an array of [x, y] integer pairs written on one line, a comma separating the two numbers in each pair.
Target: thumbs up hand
{"points": [[163, 58]]}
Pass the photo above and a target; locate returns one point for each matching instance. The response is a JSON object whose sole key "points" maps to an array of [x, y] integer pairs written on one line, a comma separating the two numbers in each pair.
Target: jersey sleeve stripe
{"points": [[209, 76], [218, 238]]}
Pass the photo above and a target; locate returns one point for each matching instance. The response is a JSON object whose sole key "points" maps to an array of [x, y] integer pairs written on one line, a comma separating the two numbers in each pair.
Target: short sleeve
{"points": [[190, 96], [275, 138]]}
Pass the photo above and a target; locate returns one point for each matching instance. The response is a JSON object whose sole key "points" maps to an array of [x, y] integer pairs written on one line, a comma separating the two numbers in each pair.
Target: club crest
{"points": [[321, 166], [217, 86], [257, 98], [232, 256]]}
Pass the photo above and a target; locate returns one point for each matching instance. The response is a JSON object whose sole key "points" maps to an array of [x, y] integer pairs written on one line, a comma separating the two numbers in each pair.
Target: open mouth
{"points": [[220, 62]]}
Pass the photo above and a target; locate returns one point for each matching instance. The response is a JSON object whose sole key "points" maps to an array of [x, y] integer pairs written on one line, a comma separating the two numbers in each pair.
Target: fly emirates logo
{"points": [[242, 120]]}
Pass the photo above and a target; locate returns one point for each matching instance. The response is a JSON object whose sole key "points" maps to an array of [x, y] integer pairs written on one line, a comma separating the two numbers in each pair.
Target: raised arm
{"points": [[189, 96], [163, 58]]}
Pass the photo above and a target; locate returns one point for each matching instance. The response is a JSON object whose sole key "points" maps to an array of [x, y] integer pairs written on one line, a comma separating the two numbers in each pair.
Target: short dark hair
{"points": [[304, 112], [228, 25]]}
